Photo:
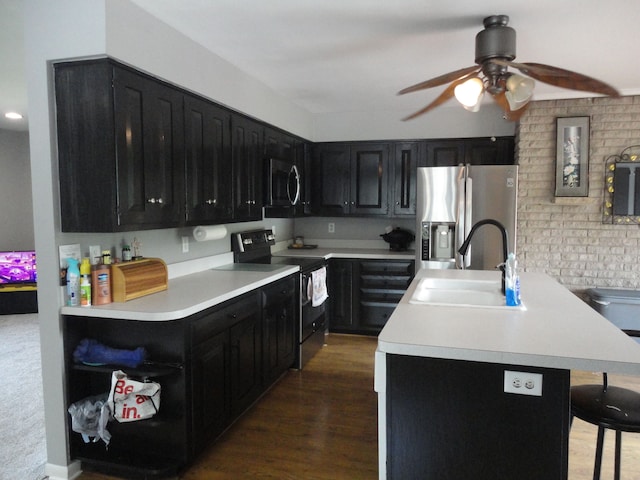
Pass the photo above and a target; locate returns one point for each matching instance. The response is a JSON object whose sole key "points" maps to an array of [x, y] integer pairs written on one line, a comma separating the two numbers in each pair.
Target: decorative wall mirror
{"points": [[622, 188]]}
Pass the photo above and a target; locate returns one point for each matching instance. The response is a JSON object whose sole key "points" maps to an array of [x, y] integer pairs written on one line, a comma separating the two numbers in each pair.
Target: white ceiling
{"points": [[354, 55]]}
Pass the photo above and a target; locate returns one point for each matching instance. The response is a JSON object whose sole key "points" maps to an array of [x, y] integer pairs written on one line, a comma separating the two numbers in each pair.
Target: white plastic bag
{"points": [[131, 400], [89, 418]]}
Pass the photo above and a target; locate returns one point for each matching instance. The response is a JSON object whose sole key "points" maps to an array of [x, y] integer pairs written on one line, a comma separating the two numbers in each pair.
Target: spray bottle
{"points": [[73, 282], [85, 283]]}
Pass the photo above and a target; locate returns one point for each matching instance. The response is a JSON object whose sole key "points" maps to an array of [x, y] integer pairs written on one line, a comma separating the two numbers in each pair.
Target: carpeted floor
{"points": [[22, 441]]}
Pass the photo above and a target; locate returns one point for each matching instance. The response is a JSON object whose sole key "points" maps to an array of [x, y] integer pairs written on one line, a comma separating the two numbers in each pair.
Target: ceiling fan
{"points": [[495, 52]]}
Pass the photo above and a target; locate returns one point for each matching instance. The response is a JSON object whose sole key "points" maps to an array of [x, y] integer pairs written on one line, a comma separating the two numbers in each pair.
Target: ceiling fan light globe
{"points": [[519, 91], [475, 108], [470, 92]]}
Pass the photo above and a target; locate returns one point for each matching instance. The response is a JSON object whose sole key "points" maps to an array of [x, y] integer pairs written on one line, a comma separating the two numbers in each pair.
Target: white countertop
{"points": [[191, 293], [186, 295], [557, 329]]}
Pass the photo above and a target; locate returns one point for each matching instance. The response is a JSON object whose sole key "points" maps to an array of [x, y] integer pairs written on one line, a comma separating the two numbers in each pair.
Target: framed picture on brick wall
{"points": [[572, 157]]}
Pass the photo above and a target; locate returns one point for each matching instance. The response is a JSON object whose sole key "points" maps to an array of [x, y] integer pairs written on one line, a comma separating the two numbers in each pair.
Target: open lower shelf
{"points": [[146, 370]]}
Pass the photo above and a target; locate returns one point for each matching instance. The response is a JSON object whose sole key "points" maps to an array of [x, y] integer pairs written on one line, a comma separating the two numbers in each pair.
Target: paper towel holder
{"points": [[205, 233]]}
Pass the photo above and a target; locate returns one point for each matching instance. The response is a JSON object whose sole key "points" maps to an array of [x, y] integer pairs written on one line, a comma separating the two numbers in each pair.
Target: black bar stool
{"points": [[607, 407]]}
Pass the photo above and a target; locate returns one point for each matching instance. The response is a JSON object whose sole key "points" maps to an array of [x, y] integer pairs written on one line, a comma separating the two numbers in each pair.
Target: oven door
{"points": [[283, 183]]}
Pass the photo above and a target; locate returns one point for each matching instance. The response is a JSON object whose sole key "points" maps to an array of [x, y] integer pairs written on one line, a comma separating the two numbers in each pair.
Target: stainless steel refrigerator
{"points": [[451, 200]]}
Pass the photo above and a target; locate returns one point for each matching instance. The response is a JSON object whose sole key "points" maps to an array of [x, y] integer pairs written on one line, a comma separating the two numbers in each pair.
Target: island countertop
{"points": [[557, 329]]}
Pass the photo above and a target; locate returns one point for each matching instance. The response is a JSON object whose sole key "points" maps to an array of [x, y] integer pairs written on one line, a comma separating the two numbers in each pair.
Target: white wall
{"points": [[16, 214], [448, 121], [135, 37]]}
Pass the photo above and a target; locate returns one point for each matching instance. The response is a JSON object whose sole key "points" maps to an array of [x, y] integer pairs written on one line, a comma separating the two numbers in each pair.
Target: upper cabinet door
{"points": [[490, 151], [248, 159], [208, 162], [445, 153], [405, 162], [369, 179], [149, 145], [331, 177]]}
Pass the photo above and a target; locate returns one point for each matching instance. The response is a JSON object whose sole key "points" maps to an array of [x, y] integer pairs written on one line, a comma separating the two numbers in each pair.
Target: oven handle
{"points": [[296, 176], [305, 299]]}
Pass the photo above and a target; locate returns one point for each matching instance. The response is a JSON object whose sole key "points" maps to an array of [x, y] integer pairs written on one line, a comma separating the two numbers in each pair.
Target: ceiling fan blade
{"points": [[511, 115], [562, 78], [441, 80], [447, 94]]}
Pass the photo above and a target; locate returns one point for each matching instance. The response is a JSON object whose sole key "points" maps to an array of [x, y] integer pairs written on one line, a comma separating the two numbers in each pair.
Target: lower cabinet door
{"points": [[246, 352], [210, 391]]}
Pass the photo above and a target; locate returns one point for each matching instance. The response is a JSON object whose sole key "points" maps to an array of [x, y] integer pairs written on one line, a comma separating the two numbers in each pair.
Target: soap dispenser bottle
{"points": [[512, 282]]}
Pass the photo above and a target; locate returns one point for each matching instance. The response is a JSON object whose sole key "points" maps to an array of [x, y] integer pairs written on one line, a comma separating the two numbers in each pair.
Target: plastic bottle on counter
{"points": [[512, 282], [73, 282], [101, 282], [85, 283]]}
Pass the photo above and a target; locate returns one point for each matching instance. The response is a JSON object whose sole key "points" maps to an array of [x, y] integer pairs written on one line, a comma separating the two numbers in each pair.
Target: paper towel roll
{"points": [[214, 232]]}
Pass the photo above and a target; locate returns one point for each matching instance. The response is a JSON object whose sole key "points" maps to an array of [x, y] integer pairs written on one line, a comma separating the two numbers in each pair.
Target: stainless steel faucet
{"points": [[488, 221]]}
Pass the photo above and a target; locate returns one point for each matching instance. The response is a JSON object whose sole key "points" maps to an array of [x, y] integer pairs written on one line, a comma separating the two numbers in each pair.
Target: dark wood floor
{"points": [[321, 424]]}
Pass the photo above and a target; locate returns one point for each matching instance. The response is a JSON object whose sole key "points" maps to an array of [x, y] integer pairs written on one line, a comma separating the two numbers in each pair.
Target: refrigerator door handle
{"points": [[460, 222], [468, 215]]}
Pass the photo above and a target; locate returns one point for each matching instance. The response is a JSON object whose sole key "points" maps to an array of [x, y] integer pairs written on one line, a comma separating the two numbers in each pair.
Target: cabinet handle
{"points": [[346, 203], [353, 203], [155, 200], [211, 202]]}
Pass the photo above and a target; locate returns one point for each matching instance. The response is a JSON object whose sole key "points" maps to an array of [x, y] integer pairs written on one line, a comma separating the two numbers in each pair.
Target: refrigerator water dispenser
{"points": [[437, 241]]}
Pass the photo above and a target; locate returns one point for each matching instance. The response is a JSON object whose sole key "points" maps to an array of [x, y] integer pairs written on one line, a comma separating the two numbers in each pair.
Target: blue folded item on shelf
{"points": [[92, 352]]}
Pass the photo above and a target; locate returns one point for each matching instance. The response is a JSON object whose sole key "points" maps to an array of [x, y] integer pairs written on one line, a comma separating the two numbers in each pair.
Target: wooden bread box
{"points": [[138, 278]]}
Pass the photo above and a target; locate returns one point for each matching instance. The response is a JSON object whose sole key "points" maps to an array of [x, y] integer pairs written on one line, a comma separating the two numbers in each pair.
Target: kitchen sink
{"points": [[451, 292]]}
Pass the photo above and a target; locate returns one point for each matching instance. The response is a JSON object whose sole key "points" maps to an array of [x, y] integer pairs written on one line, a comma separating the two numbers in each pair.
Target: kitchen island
{"points": [[442, 371]]}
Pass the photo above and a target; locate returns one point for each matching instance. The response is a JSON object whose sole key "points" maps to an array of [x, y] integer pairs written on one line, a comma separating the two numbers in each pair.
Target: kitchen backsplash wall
{"points": [[566, 238], [350, 232], [167, 243]]}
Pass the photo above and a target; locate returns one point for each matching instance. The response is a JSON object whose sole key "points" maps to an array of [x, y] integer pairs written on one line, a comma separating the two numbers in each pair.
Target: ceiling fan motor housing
{"points": [[497, 40]]}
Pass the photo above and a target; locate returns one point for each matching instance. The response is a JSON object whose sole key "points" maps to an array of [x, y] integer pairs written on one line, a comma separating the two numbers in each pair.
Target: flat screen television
{"points": [[18, 267]]}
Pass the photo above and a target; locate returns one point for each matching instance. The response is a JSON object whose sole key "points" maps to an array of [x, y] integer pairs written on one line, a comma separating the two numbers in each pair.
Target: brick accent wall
{"points": [[566, 238]]}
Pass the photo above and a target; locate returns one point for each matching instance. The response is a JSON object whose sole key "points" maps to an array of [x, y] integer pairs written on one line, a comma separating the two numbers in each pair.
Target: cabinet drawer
{"points": [[382, 282], [376, 295], [375, 314], [221, 318], [387, 268], [279, 292]]}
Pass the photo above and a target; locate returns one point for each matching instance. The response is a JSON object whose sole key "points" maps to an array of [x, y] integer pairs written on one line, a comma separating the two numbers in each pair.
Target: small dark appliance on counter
{"points": [[398, 239]]}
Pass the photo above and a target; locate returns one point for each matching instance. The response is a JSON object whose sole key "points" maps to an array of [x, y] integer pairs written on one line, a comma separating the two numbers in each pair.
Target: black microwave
{"points": [[282, 183]]}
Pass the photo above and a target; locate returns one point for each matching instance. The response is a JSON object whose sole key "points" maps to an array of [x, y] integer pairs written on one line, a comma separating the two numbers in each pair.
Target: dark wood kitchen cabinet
{"points": [[247, 144], [351, 179], [279, 310], [474, 151], [340, 289], [211, 367], [208, 162], [120, 147], [364, 293]]}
